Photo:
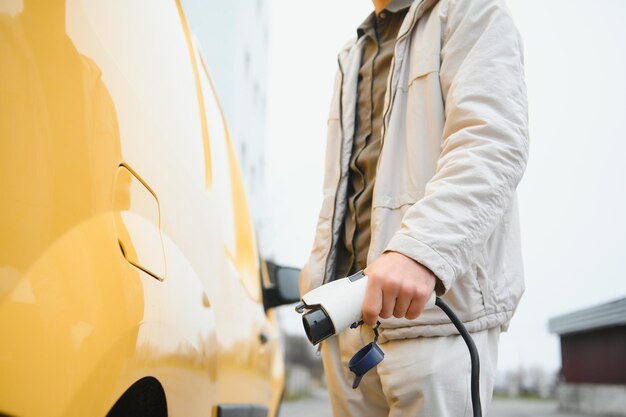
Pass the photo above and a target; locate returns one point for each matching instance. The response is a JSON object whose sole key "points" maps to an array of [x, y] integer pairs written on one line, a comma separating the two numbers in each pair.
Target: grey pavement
{"points": [[317, 405], [527, 408]]}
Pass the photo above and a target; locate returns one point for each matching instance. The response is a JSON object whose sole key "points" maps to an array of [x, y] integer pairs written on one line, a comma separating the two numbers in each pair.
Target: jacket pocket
{"points": [[387, 215], [401, 200], [422, 64]]}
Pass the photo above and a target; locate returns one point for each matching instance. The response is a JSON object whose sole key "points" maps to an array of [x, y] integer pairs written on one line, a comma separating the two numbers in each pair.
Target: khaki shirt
{"points": [[380, 32]]}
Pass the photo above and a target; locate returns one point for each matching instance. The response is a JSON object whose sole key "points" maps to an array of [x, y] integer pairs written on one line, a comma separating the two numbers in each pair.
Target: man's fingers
{"points": [[397, 286], [403, 301], [390, 293], [415, 309], [372, 302]]}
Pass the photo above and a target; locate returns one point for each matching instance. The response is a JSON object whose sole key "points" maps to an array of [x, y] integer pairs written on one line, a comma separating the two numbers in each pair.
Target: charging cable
{"points": [[475, 377]]}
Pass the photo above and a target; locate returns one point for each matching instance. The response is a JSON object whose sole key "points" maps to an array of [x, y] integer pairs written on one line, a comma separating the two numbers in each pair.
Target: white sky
{"points": [[573, 196]]}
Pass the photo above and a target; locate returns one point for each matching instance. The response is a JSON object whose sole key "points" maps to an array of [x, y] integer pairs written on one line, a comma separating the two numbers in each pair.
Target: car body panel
{"points": [[126, 245]]}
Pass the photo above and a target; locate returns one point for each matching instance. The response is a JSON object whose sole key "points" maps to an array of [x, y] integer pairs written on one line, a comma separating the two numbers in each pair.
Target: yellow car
{"points": [[130, 279]]}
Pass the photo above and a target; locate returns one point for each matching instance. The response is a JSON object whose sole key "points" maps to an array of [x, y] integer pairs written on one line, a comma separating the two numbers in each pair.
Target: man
{"points": [[427, 141]]}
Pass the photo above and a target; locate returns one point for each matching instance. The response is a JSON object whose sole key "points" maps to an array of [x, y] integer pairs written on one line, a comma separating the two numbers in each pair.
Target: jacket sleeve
{"points": [[484, 146]]}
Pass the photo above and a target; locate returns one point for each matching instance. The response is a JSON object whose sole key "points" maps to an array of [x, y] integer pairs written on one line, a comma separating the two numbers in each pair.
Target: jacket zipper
{"points": [[332, 219], [392, 94]]}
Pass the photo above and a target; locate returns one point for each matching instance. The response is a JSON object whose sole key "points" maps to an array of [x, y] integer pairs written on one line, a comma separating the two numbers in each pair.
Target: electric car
{"points": [[130, 279]]}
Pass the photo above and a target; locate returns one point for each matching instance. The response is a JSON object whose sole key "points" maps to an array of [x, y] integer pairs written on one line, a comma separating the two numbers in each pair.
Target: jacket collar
{"points": [[417, 9], [396, 5]]}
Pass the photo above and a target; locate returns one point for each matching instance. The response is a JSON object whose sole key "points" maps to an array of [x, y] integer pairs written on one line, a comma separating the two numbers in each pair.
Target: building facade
{"points": [[233, 37], [593, 354]]}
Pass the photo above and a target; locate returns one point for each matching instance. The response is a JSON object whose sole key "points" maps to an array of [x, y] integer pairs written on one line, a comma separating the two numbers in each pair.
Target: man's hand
{"points": [[396, 285]]}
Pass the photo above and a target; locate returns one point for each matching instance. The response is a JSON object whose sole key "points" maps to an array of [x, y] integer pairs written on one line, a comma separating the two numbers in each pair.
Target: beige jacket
{"points": [[455, 145]]}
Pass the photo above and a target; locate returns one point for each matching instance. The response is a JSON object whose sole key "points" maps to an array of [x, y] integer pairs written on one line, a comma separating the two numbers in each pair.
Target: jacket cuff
{"points": [[425, 255]]}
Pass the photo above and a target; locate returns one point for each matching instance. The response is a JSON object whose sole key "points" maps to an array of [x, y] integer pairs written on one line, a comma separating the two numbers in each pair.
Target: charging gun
{"points": [[336, 306]]}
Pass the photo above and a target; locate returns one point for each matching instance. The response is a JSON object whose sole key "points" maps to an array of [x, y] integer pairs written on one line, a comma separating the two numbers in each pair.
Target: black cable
{"points": [[475, 378]]}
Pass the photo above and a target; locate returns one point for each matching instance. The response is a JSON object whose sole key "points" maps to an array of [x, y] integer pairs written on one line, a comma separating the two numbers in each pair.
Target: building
{"points": [[233, 37], [593, 354]]}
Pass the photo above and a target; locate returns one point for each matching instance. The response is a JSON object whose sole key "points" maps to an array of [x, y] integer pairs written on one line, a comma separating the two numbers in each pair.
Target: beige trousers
{"points": [[423, 377]]}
